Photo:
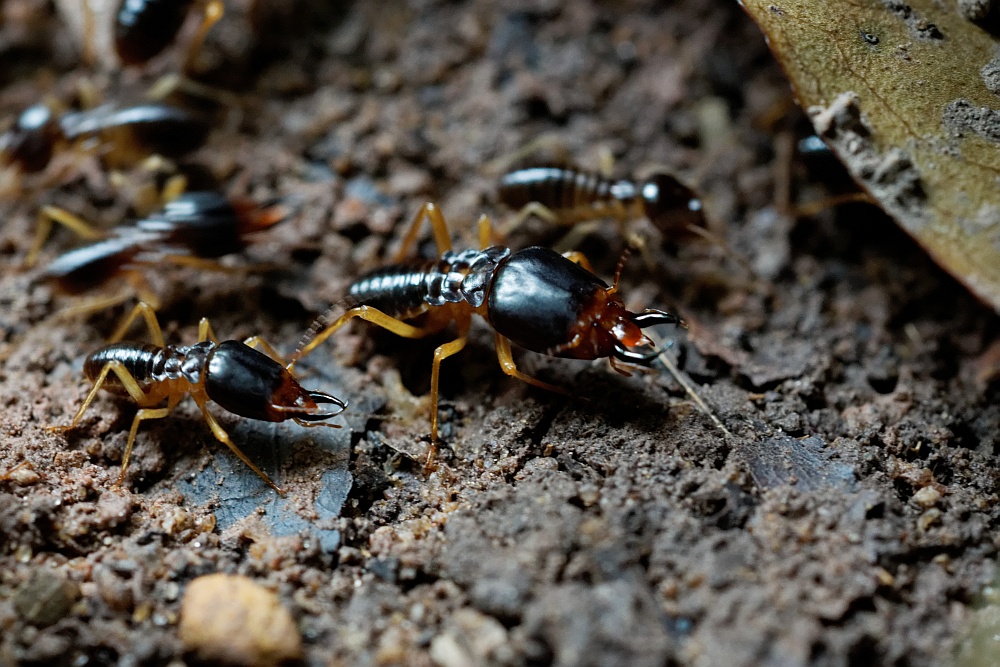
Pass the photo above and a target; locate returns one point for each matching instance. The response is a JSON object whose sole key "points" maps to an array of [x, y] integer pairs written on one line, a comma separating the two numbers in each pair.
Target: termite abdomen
{"points": [[139, 360], [398, 290]]}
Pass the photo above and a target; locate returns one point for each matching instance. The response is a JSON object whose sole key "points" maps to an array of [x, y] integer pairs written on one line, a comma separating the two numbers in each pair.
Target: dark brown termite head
{"points": [[546, 303], [670, 205], [144, 28], [251, 384], [31, 141]]}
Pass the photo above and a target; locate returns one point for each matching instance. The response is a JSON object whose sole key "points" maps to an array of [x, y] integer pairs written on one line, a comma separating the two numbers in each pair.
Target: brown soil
{"points": [[849, 520]]}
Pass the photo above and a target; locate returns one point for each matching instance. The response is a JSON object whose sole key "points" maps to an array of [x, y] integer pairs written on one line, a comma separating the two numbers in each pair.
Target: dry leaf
{"points": [[906, 95]]}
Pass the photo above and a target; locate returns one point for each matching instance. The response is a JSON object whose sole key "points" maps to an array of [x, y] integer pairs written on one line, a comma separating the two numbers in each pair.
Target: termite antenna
{"points": [[626, 253], [318, 325]]}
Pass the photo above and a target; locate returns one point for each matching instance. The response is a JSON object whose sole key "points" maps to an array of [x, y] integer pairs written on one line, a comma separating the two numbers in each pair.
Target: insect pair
{"points": [[535, 298]]}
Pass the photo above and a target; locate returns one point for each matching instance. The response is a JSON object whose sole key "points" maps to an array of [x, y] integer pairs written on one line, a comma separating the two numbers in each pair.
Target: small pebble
{"points": [[233, 620], [45, 598], [975, 10], [927, 497]]}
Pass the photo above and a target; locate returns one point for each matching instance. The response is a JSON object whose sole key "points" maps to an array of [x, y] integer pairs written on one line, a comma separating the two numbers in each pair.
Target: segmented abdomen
{"points": [[397, 290], [142, 361], [558, 188]]}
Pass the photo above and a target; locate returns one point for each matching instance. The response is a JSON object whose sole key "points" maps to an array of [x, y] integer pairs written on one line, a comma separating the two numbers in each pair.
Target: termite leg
{"points": [[257, 341], [576, 234], [578, 257], [605, 161], [205, 331], [440, 354], [46, 217], [141, 416], [99, 304], [214, 11], [369, 314], [533, 209], [202, 263], [173, 188], [128, 382], [223, 437], [485, 226], [510, 368], [144, 310], [438, 226], [544, 149]]}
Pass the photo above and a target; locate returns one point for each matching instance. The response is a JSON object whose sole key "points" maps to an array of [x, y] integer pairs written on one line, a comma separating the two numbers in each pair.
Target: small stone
{"points": [[975, 10], [45, 598], [234, 620], [928, 519], [927, 497]]}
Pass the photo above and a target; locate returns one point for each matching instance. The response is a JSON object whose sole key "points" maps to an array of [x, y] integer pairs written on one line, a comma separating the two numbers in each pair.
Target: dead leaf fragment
{"points": [[902, 93]]}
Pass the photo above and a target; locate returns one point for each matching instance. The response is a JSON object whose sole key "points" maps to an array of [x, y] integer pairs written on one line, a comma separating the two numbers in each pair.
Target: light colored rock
{"points": [[234, 620]]}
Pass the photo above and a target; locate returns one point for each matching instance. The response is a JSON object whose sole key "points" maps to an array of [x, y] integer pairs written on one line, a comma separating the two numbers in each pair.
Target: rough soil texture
{"points": [[850, 519]]}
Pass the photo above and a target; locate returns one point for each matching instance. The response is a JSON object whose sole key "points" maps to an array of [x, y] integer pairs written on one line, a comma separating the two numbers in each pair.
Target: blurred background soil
{"points": [[850, 518]]}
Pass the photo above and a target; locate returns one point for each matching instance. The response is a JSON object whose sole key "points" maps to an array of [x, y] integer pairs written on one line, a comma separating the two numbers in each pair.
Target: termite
{"points": [[233, 374], [566, 195], [195, 229], [122, 135], [536, 298]]}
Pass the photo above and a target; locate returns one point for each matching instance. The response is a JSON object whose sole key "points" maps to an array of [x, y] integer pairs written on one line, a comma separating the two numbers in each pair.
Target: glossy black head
{"points": [[538, 299], [669, 204], [253, 385], [30, 143], [143, 28]]}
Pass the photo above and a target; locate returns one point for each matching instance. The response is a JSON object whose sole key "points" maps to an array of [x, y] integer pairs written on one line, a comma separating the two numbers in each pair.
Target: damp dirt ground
{"points": [[848, 518]]}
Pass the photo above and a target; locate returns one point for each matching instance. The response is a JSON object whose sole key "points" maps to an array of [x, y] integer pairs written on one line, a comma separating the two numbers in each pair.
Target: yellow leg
{"points": [[173, 188], [545, 149], [368, 314], [533, 209], [510, 368], [142, 289], [223, 437], [576, 234], [141, 416], [605, 161], [214, 11], [51, 214], [440, 354], [98, 304], [578, 257], [144, 310], [438, 225], [255, 341], [485, 226], [205, 331], [202, 263], [128, 382]]}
